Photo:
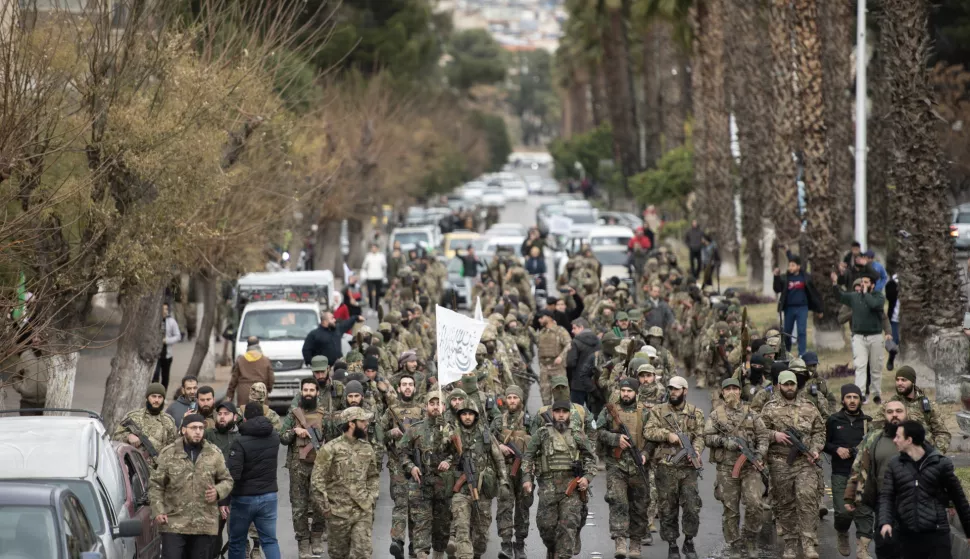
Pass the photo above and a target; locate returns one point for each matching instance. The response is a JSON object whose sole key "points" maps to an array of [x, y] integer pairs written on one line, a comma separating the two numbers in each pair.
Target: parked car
{"points": [[960, 227], [458, 240], [472, 192], [415, 237], [76, 453], [148, 543], [620, 218], [494, 196], [515, 189], [41, 521], [610, 235], [506, 229], [613, 262], [549, 186]]}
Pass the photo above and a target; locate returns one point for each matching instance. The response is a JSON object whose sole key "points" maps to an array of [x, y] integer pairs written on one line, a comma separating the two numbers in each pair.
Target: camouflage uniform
{"points": [[401, 416], [430, 500], [555, 457], [650, 395], [512, 513], [177, 489], [722, 426], [300, 470], [627, 493], [554, 343], [345, 485], [815, 389], [160, 429], [676, 483], [257, 396], [919, 408], [387, 358], [470, 518], [795, 487]]}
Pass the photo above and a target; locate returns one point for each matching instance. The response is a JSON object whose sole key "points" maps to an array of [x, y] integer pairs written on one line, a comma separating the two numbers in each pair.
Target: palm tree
{"points": [[749, 62], [619, 85], [782, 200], [572, 79], [926, 265], [836, 27]]}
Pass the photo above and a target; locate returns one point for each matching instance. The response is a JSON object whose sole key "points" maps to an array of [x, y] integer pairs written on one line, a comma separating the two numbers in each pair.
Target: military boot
{"points": [[397, 549], [422, 555], [809, 550], [518, 549], [751, 547], [317, 540], [303, 549], [790, 551], [843, 544], [689, 552], [862, 548], [633, 551], [256, 552], [621, 548], [673, 552], [578, 546], [506, 550], [734, 551], [451, 548], [648, 539], [550, 548], [411, 552]]}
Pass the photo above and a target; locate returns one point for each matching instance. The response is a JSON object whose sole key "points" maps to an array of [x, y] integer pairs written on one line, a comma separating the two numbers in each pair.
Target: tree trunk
{"points": [[932, 298], [598, 95], [652, 108], [697, 17], [836, 26], [879, 201], [578, 102], [782, 200], [203, 342], [328, 255], [674, 88], [61, 372], [620, 103], [355, 236], [134, 362]]}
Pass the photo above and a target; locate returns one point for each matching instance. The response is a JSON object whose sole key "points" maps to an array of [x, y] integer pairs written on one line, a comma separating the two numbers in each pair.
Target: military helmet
{"points": [[511, 318], [393, 317], [656, 332], [609, 289], [257, 392], [481, 350], [496, 318], [469, 405], [638, 361], [797, 366], [488, 335], [404, 272], [354, 413], [384, 327], [721, 325], [623, 347]]}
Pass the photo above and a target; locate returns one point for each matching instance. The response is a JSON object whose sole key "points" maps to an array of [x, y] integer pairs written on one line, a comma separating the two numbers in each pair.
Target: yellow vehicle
{"points": [[459, 240]]}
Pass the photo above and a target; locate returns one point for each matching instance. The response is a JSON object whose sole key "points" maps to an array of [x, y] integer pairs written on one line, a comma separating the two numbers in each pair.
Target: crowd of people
{"points": [[613, 362]]}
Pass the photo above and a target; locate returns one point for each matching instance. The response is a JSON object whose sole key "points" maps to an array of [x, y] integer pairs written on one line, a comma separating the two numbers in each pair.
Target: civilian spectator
{"points": [[797, 296], [170, 336], [640, 241], [844, 431], [694, 239], [374, 272], [581, 361], [918, 486], [249, 368], [892, 311], [656, 311], [866, 327], [222, 435], [881, 276], [710, 260], [325, 339], [185, 400], [535, 264], [532, 241], [854, 251], [562, 313]]}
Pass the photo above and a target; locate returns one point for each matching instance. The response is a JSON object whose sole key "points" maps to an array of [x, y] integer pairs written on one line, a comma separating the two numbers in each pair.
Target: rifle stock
{"points": [[635, 456]]}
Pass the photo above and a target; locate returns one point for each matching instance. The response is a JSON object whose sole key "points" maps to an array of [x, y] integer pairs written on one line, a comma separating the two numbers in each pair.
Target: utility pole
{"points": [[861, 227]]}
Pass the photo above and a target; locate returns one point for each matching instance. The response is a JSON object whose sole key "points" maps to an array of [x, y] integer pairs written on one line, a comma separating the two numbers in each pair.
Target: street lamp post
{"points": [[861, 227]]}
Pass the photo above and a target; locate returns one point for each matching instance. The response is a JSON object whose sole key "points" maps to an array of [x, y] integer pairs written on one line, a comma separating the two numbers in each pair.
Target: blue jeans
{"points": [[253, 509], [895, 329], [797, 315]]}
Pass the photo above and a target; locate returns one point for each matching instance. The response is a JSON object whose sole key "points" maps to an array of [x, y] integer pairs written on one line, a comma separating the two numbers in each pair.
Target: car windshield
{"points": [[962, 218], [609, 241], [414, 238], [27, 532], [279, 324], [85, 493], [582, 218], [611, 257]]}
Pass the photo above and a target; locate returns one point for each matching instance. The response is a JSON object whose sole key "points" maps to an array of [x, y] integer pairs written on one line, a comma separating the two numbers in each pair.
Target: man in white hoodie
{"points": [[374, 270], [171, 335]]}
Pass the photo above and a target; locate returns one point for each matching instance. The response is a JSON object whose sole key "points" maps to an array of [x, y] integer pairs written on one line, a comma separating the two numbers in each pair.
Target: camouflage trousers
{"points": [[559, 516], [796, 495], [677, 487], [303, 512], [546, 372], [629, 498], [512, 511], [746, 489], [430, 507], [654, 500], [399, 514], [470, 520], [350, 538]]}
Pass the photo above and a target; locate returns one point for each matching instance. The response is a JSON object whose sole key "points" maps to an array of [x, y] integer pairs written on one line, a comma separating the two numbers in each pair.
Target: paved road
{"points": [[94, 366]]}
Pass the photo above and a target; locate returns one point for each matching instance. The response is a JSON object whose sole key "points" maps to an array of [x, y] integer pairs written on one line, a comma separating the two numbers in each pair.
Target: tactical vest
{"points": [[633, 420], [559, 451], [515, 433], [475, 443], [577, 416], [408, 415], [314, 418], [725, 427], [548, 344]]}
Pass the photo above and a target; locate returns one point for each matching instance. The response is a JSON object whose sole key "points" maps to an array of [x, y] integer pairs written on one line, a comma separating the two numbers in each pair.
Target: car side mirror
{"points": [[127, 529], [92, 555]]}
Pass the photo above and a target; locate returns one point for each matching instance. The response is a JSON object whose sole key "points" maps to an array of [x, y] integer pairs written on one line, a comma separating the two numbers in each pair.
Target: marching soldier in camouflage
{"points": [[396, 422], [627, 493], [302, 422], [354, 398], [727, 428], [345, 485], [794, 487], [330, 396], [185, 488], [554, 342], [388, 358], [471, 504], [430, 485], [154, 423], [821, 388], [420, 328], [523, 345], [580, 418], [377, 391], [501, 373], [257, 396], [651, 393], [513, 430], [811, 389], [564, 463], [402, 294], [919, 408], [676, 474], [666, 367]]}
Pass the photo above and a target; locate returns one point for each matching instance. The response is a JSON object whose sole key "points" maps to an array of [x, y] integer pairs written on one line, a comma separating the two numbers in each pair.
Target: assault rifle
{"points": [[135, 430], [578, 474], [798, 446], [467, 470], [416, 458], [316, 438], [688, 449], [747, 455], [632, 450], [517, 463]]}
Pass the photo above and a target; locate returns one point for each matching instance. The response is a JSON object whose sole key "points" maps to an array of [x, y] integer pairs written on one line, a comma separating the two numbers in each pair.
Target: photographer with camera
{"points": [[868, 336]]}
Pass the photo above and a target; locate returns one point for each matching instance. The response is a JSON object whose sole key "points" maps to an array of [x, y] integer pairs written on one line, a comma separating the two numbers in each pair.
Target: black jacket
{"points": [[252, 458], [780, 285], [845, 431], [915, 499], [581, 360], [564, 319], [326, 341]]}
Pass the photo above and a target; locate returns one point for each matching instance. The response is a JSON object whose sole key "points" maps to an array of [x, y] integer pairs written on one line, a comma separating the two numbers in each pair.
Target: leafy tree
{"points": [[477, 58], [533, 99], [670, 183], [588, 149], [497, 136]]}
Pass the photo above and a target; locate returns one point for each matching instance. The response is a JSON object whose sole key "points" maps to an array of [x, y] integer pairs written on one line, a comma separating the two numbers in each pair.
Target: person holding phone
{"points": [[868, 335]]}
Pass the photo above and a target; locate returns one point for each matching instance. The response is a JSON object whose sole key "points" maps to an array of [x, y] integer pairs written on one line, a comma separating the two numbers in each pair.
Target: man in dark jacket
{"points": [[561, 313], [325, 339], [223, 434], [867, 332], [918, 485], [656, 311], [694, 239], [844, 431], [185, 401], [252, 465], [580, 362], [798, 296]]}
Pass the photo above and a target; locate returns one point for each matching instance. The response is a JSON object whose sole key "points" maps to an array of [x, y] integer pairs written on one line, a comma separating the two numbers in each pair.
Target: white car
{"points": [[610, 235], [507, 230], [549, 186], [493, 196], [414, 237], [575, 205], [534, 184], [472, 192], [515, 189], [613, 262], [510, 243]]}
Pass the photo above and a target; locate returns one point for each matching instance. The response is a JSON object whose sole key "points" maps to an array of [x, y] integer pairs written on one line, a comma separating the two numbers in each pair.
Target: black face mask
{"points": [[756, 375], [308, 402], [386, 336], [405, 322], [514, 299], [490, 347]]}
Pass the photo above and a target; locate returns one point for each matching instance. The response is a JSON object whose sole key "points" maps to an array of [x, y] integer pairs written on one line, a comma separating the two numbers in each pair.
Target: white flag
{"points": [[458, 337], [478, 310]]}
